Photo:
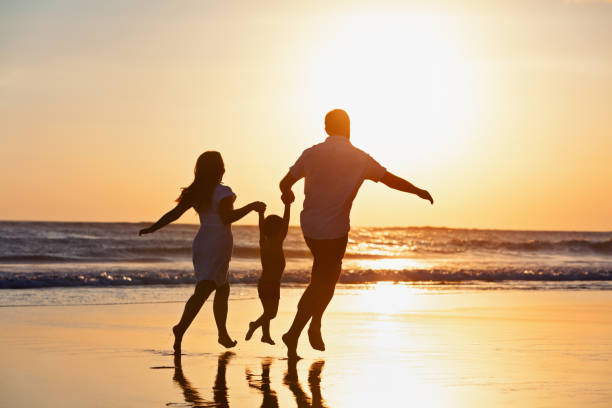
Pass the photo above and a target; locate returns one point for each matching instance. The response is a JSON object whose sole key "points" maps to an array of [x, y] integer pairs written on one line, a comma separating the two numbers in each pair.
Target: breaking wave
{"points": [[40, 255], [23, 280], [572, 245]]}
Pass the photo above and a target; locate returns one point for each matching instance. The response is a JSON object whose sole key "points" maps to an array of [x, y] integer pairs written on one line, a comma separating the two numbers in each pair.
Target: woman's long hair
{"points": [[208, 173]]}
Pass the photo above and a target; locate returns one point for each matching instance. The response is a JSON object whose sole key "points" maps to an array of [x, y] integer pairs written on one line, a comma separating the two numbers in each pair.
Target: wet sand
{"points": [[387, 345]]}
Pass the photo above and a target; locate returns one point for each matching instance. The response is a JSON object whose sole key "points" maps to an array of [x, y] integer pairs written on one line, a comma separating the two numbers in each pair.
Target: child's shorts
{"points": [[268, 290]]}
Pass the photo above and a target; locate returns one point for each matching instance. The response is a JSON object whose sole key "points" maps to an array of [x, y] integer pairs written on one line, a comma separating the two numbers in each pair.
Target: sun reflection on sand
{"points": [[389, 297]]}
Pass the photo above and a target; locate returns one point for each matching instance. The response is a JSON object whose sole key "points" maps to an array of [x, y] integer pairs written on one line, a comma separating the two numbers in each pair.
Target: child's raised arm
{"points": [[286, 216], [261, 224]]}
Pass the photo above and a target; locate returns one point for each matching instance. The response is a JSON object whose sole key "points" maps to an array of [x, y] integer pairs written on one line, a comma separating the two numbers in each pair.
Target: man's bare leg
{"points": [[303, 315], [326, 270], [314, 330]]}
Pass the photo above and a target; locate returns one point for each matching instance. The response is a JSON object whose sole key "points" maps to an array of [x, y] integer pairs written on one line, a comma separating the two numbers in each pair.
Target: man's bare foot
{"points": [[178, 339], [315, 339], [252, 328], [267, 339], [291, 344], [227, 342]]}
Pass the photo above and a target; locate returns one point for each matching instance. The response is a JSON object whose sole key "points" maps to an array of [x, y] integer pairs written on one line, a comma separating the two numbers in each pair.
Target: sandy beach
{"points": [[444, 166], [387, 345]]}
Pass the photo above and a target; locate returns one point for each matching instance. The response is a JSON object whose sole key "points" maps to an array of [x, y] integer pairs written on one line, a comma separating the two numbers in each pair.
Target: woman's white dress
{"points": [[212, 245]]}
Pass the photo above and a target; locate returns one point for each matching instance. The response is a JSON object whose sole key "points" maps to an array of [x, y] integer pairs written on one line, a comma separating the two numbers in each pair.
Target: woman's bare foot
{"points": [[315, 339], [252, 328], [267, 339], [291, 344], [227, 342], [178, 339]]}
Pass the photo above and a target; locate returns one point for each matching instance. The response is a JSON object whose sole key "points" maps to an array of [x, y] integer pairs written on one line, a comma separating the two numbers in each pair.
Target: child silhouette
{"points": [[272, 233]]}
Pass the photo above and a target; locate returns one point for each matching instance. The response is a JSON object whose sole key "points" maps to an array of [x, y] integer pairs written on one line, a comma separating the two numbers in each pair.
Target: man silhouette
{"points": [[333, 171]]}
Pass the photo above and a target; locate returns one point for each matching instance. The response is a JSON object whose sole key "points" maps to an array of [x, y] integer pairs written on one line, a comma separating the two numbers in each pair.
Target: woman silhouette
{"points": [[212, 246]]}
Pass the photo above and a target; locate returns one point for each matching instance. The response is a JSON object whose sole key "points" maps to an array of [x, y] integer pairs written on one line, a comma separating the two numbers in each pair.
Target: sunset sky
{"points": [[502, 110]]}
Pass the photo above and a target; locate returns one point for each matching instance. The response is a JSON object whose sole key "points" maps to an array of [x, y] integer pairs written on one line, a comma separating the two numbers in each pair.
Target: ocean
{"points": [[102, 258]]}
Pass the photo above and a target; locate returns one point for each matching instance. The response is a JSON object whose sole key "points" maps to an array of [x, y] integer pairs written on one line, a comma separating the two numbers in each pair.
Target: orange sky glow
{"points": [[502, 111]]}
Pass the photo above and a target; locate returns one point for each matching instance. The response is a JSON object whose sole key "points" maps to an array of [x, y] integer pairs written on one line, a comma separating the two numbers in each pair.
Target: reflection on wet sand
{"points": [[191, 394], [292, 381], [270, 399], [262, 384]]}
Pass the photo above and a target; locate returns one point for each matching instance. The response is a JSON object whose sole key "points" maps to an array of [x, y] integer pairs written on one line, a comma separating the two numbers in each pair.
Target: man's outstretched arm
{"points": [[398, 183]]}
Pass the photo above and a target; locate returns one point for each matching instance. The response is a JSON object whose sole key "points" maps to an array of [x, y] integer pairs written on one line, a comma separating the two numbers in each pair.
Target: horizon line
{"points": [[297, 226]]}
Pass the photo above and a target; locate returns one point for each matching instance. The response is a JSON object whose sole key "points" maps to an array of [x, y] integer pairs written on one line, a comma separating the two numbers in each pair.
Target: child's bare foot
{"points": [[291, 344], [178, 338], [315, 339], [252, 328], [267, 339], [227, 342]]}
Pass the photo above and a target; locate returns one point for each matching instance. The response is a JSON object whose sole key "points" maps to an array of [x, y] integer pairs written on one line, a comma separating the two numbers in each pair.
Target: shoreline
{"points": [[178, 293]]}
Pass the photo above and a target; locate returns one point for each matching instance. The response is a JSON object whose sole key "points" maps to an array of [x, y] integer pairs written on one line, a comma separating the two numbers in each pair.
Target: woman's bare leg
{"points": [[202, 291], [220, 311]]}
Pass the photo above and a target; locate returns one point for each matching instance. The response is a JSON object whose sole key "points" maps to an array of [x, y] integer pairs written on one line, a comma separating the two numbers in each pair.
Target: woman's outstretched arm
{"points": [[171, 216], [230, 215]]}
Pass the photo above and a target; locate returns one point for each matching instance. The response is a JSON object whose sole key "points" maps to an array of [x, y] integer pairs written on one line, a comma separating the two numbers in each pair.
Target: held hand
{"points": [[258, 206], [288, 197], [145, 231], [424, 194]]}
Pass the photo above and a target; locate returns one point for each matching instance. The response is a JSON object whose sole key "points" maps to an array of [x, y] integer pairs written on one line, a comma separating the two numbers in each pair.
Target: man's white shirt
{"points": [[333, 171]]}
